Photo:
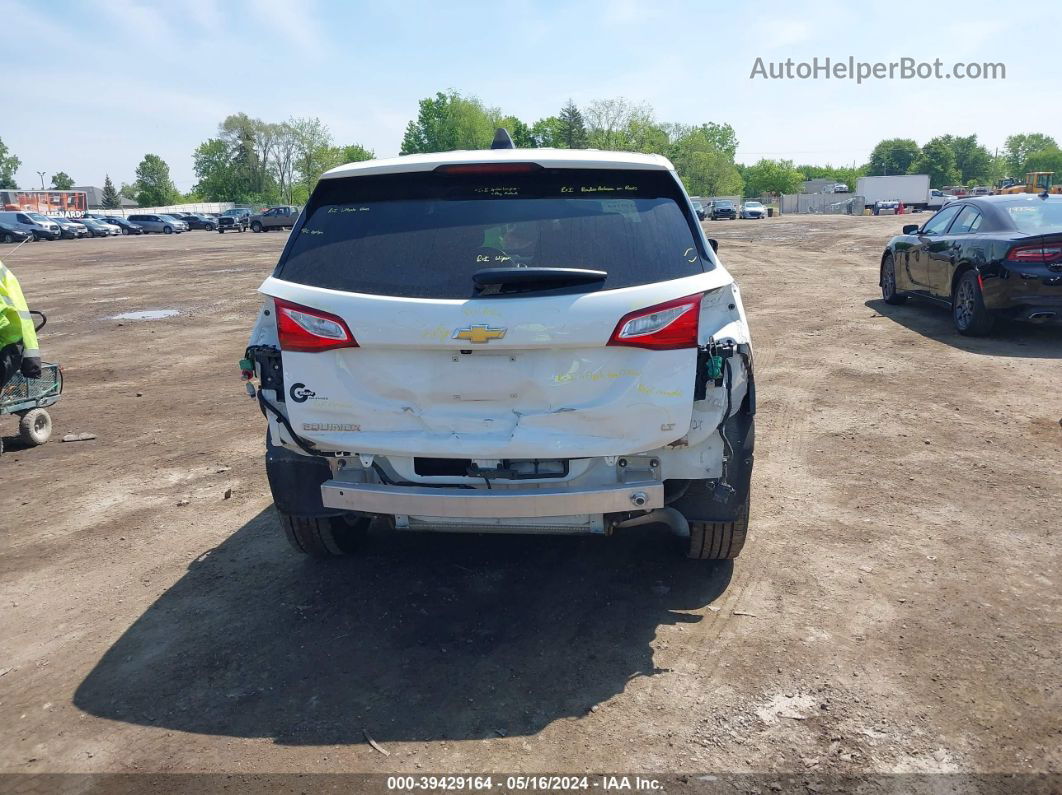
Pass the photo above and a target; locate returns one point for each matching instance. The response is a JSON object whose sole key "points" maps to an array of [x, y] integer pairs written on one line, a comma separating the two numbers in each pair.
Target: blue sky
{"points": [[92, 87]]}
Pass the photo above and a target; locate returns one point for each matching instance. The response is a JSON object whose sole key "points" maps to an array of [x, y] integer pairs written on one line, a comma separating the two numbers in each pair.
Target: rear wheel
{"points": [[324, 536], [167, 230], [719, 540], [9, 238], [968, 307], [209, 227], [35, 427], [888, 282], [256, 227]]}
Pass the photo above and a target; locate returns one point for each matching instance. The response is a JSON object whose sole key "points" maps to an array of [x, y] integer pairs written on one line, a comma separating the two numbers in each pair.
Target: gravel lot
{"points": [[896, 610]]}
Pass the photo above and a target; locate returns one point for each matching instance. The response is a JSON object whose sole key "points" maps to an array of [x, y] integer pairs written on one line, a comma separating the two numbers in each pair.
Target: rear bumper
{"points": [[496, 503]]}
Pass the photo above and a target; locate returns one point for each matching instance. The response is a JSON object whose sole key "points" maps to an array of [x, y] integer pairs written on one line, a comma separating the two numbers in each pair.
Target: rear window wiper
{"points": [[498, 281]]}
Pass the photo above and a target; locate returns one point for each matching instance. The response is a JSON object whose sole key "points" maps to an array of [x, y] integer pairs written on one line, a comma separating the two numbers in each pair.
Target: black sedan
{"points": [[196, 221], [986, 257], [127, 227], [9, 234]]}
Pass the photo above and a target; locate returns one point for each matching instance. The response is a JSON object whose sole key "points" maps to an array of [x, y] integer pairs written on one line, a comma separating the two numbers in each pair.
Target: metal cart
{"points": [[29, 399]]}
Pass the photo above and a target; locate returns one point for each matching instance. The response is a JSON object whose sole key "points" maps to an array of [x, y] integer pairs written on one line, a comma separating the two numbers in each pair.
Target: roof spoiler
{"points": [[502, 139]]}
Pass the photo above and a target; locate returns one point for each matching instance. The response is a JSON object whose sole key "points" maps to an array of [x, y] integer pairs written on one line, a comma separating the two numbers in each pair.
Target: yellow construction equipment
{"points": [[1035, 182]]}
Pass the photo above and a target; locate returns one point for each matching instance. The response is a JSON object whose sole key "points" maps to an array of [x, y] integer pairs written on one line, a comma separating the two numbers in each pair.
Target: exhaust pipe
{"points": [[669, 516], [1041, 315]]}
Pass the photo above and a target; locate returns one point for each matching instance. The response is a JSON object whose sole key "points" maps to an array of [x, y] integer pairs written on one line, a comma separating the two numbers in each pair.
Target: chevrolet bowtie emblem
{"points": [[478, 335]]}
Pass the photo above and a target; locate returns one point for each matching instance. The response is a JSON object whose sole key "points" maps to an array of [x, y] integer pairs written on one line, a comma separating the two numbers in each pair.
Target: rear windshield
{"points": [[1043, 215], [424, 235]]}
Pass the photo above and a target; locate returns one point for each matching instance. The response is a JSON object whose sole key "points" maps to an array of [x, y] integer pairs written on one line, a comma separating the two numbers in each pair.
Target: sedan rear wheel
{"points": [[888, 283], [167, 230], [968, 307]]}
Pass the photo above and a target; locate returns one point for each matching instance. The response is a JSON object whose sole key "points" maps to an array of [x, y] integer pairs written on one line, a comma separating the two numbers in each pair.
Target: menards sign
{"points": [[46, 202]]}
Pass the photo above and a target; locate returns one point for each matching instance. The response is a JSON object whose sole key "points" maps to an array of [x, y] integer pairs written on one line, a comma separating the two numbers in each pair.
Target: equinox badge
{"points": [[478, 335]]}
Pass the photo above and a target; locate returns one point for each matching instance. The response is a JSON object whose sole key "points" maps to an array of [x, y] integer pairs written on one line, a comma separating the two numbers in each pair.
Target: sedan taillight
{"points": [[1035, 254]]}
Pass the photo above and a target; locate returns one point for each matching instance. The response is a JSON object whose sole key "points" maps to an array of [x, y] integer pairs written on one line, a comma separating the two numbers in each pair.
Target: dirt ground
{"points": [[897, 609]]}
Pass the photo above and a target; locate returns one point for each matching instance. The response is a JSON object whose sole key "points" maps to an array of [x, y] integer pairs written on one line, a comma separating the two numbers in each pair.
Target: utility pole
{"points": [[41, 175]]}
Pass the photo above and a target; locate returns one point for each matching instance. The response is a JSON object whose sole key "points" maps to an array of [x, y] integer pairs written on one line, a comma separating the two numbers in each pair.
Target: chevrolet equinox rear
{"points": [[504, 341]]}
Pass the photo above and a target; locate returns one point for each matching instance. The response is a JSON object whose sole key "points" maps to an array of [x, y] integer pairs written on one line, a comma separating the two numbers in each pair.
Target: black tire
{"points": [[125, 231], [968, 307], [9, 238], [209, 227], [719, 540], [256, 227], [888, 283], [35, 427], [36, 238], [167, 230], [221, 231], [324, 537]]}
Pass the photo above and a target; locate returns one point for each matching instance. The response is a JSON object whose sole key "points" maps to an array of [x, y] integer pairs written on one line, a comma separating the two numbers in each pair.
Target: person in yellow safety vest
{"points": [[18, 337]]}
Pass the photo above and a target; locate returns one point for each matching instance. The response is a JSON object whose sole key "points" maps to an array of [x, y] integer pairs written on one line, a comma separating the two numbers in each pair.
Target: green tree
{"points": [[153, 183], [111, 199], [571, 127], [62, 181], [973, 161], [9, 164], [447, 122], [549, 132], [772, 176], [251, 144], [1017, 149], [892, 156], [619, 125], [936, 160], [218, 178], [314, 151], [127, 191], [705, 169], [1047, 159], [355, 153]]}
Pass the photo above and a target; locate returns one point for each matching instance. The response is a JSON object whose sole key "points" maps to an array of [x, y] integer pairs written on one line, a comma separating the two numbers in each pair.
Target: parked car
{"points": [[235, 220], [200, 221], [283, 217], [583, 378], [753, 209], [196, 221], [698, 208], [40, 227], [12, 234], [162, 224], [981, 190], [723, 208], [69, 228], [180, 225], [887, 207], [97, 228], [986, 257], [127, 226]]}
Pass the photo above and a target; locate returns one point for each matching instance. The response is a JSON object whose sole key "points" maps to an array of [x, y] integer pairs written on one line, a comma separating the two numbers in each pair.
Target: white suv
{"points": [[520, 341]]}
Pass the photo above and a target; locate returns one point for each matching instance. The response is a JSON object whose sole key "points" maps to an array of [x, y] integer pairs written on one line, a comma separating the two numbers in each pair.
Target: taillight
{"points": [[664, 327], [1035, 254], [306, 330]]}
